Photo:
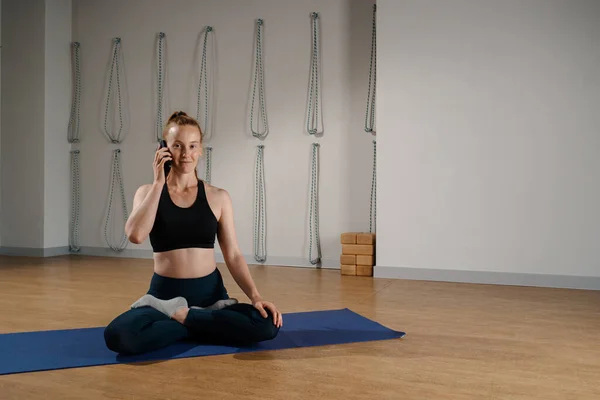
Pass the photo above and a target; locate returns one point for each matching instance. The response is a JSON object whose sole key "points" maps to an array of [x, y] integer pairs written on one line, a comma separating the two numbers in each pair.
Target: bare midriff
{"points": [[185, 263]]}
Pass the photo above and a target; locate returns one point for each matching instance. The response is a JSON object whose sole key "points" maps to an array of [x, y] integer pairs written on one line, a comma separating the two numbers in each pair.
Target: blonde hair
{"points": [[180, 118]]}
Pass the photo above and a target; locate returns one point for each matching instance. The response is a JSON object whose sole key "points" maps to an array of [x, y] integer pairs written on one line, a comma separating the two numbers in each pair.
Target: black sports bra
{"points": [[183, 227]]}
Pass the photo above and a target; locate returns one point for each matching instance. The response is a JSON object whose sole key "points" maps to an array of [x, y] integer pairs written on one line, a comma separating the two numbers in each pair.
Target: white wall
{"points": [[57, 108], [35, 111], [22, 158], [0, 122], [345, 173], [488, 136]]}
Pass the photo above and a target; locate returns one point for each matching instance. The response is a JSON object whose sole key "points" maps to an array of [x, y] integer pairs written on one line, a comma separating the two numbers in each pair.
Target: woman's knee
{"points": [[266, 329], [270, 331], [122, 334], [261, 328], [120, 339], [112, 337]]}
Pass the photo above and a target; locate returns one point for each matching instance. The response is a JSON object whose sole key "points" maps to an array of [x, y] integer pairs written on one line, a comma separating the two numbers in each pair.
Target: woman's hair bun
{"points": [[177, 114]]}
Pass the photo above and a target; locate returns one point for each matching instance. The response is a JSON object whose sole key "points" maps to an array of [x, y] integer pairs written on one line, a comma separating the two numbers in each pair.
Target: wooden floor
{"points": [[463, 341]]}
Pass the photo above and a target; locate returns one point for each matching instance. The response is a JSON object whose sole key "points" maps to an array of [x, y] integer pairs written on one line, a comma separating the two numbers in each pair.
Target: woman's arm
{"points": [[231, 252], [145, 202], [234, 259], [140, 222]]}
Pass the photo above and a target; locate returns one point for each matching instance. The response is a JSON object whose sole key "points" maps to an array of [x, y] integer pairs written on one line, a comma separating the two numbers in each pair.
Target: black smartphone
{"points": [[167, 164]]}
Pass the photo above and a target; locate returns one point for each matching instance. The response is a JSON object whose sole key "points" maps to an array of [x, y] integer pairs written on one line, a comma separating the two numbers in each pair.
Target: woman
{"points": [[182, 215]]}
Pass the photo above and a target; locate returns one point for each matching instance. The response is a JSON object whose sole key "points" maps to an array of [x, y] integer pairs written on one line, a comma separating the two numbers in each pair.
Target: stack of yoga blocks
{"points": [[358, 253]]}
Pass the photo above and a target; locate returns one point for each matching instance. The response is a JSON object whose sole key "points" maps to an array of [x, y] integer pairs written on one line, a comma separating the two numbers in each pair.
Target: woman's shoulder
{"points": [[143, 190], [212, 189], [141, 193], [215, 192]]}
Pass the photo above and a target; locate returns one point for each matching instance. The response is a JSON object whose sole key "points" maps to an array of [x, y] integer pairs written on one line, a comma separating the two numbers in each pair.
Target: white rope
{"points": [[314, 207], [370, 115], [259, 80], [73, 137], [373, 206], [313, 114], [74, 120], [75, 199], [114, 138], [159, 86], [116, 176], [260, 247], [205, 83], [208, 169]]}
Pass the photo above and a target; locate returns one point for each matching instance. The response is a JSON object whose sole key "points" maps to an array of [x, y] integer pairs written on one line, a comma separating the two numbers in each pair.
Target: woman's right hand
{"points": [[161, 156]]}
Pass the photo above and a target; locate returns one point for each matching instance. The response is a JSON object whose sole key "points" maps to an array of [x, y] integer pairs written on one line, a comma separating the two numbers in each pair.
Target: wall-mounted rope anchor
{"points": [[207, 84], [260, 247], [114, 70], [75, 200], [160, 85], [373, 203], [116, 177], [370, 114], [208, 170], [314, 208], [259, 80], [74, 119], [313, 114]]}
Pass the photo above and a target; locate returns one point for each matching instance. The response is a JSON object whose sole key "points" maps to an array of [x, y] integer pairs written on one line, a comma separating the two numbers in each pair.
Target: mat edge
{"points": [[284, 314]]}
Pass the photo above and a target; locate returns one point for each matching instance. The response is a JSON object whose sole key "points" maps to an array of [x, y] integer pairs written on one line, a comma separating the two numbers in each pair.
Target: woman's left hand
{"points": [[261, 305]]}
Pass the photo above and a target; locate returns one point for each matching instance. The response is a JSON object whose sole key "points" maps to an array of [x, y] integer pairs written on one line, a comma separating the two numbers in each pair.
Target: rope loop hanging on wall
{"points": [[208, 169], [373, 206], [116, 177], [74, 119], [114, 138], [313, 126], [75, 199], [206, 84], [259, 80], [160, 85], [370, 114], [260, 247], [314, 207], [73, 137]]}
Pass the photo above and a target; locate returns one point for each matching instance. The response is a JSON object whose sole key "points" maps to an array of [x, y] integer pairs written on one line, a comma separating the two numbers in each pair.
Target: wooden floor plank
{"points": [[464, 341]]}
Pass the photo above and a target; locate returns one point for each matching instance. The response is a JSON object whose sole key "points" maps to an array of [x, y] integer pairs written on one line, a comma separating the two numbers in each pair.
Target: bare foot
{"points": [[180, 315]]}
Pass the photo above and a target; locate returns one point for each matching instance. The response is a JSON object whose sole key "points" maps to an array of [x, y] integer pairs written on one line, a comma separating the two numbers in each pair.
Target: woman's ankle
{"points": [[181, 315]]}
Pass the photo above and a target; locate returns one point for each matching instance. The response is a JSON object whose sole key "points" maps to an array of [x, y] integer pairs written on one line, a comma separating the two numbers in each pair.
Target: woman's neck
{"points": [[181, 183]]}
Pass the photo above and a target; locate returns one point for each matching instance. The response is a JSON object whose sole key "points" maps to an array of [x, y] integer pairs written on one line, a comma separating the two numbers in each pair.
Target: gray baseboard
{"points": [[34, 251], [326, 263], [492, 278]]}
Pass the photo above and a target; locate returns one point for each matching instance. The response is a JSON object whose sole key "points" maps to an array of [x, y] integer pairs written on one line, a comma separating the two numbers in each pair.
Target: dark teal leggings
{"points": [[144, 329]]}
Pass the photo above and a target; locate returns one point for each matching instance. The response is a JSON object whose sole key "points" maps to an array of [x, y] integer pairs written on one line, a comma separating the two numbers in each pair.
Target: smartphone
{"points": [[167, 164]]}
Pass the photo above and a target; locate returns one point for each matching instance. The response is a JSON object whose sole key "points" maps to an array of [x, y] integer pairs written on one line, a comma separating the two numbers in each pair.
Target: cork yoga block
{"points": [[348, 237], [357, 238], [358, 249], [365, 260], [348, 259], [364, 270], [358, 253], [348, 269], [365, 238]]}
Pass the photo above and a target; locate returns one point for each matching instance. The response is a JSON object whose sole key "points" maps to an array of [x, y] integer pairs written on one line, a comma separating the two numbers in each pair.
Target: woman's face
{"points": [[185, 147]]}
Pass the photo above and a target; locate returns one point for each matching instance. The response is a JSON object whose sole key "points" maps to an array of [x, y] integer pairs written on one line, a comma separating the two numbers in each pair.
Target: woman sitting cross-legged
{"points": [[187, 299]]}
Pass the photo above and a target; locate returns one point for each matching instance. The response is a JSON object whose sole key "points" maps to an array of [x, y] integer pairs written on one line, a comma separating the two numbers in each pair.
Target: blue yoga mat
{"points": [[71, 348]]}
